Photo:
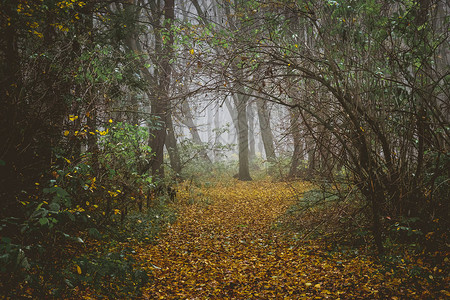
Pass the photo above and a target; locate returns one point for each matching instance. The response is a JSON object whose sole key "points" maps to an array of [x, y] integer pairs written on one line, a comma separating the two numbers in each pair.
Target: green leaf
{"points": [[94, 233], [69, 284], [54, 207], [43, 221], [71, 216]]}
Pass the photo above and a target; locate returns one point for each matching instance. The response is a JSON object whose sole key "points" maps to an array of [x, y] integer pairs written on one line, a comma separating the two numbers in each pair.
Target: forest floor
{"points": [[226, 244]]}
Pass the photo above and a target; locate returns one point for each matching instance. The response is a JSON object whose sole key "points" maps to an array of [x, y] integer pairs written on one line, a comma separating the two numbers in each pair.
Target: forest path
{"points": [[224, 246]]}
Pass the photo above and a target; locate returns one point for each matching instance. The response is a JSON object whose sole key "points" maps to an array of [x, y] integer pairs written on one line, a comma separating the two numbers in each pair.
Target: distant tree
{"points": [[266, 132]]}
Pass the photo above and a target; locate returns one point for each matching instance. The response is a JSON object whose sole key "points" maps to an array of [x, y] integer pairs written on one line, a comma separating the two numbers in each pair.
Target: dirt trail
{"points": [[224, 246]]}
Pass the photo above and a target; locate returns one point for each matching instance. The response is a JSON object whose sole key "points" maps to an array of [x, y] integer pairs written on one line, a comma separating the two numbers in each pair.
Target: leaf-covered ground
{"points": [[224, 246]]}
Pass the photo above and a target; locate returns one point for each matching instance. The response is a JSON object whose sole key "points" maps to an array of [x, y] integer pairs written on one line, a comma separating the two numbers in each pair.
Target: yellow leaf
{"points": [[445, 293], [110, 121], [317, 286], [308, 284], [191, 51], [66, 133], [78, 269], [73, 117]]}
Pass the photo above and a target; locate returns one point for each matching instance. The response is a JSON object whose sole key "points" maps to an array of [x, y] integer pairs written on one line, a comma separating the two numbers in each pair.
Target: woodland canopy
{"points": [[119, 118]]}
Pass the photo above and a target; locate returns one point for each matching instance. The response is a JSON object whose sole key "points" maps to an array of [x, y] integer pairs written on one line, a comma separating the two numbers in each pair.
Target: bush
{"points": [[83, 199], [110, 274]]}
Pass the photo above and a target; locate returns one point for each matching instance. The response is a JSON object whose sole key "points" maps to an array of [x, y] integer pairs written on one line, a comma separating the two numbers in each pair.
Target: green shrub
{"points": [[111, 274]]}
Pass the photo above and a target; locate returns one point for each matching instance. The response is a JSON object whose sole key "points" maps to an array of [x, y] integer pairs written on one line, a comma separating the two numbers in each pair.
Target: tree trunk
{"points": [[11, 115], [234, 118], [188, 120], [266, 133], [251, 131], [157, 140], [374, 194], [92, 141], [241, 106], [298, 149], [171, 145], [217, 134], [160, 103]]}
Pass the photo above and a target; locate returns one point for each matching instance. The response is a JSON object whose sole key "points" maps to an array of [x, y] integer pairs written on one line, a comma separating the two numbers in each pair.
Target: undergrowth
{"points": [[337, 219]]}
